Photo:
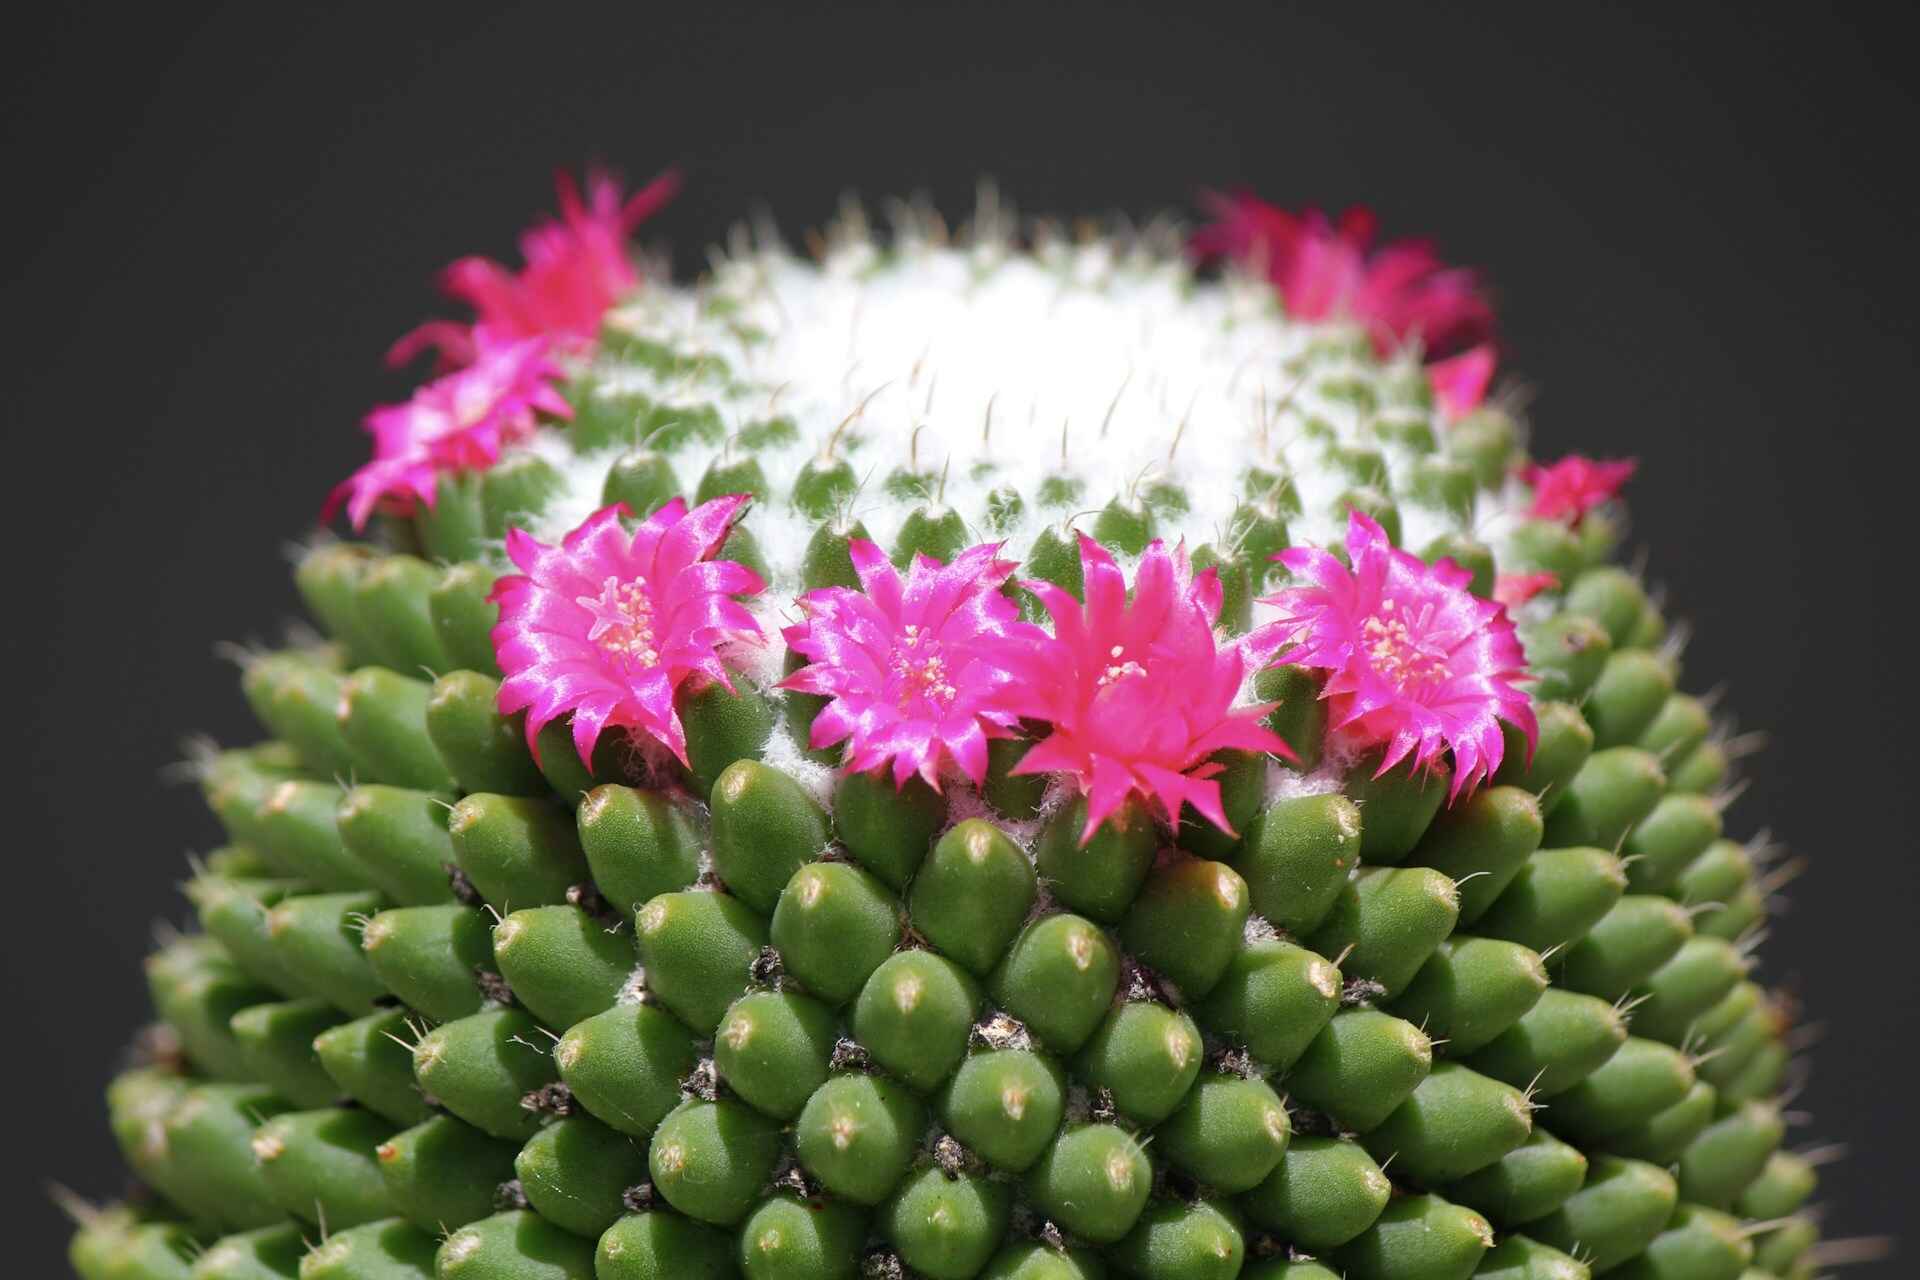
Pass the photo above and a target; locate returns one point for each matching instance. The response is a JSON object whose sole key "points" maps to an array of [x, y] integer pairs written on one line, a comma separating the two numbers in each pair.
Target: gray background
{"points": [[224, 215]]}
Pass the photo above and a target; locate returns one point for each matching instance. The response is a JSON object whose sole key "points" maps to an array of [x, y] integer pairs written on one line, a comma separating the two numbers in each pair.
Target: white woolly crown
{"points": [[980, 366]]}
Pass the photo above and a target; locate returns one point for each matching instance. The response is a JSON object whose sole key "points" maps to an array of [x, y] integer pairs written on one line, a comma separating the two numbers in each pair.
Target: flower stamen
{"points": [[920, 671], [1401, 651], [1117, 670], [623, 620]]}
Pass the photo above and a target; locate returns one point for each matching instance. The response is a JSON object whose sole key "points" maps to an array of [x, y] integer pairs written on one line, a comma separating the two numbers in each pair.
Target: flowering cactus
{"points": [[1573, 486], [607, 626], [576, 269], [1416, 662], [913, 671], [460, 421], [1018, 758], [1329, 270], [1135, 693]]}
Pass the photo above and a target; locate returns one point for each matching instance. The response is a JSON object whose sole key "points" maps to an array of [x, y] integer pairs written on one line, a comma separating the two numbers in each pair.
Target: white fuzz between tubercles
{"points": [[985, 366]]}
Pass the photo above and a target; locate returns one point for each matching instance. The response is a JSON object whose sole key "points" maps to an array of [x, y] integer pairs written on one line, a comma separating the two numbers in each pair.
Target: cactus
{"points": [[966, 757]]}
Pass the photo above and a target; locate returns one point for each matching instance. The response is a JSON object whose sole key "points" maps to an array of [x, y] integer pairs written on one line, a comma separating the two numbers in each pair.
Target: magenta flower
{"points": [[1460, 382], [1573, 486], [576, 269], [1515, 589], [1416, 661], [1328, 269], [911, 669], [608, 624], [1136, 692], [457, 422]]}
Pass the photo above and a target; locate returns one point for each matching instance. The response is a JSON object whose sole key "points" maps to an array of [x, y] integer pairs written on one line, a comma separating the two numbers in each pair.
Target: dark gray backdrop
{"points": [[1693, 225]]}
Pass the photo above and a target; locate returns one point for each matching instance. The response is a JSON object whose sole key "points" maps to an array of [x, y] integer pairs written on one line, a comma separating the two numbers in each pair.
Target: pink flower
{"points": [[576, 268], [1515, 589], [912, 670], [1136, 692], [1573, 486], [458, 422], [1330, 270], [1460, 382], [608, 625], [1417, 662]]}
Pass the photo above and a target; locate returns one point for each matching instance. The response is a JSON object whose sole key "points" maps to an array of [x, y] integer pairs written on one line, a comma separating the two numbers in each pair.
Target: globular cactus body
{"points": [[685, 986]]}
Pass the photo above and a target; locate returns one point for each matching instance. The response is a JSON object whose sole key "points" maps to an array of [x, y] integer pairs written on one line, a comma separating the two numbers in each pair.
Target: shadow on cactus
{"points": [[1004, 754]]}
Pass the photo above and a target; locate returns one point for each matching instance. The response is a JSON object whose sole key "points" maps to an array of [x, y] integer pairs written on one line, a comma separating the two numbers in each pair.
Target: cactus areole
{"points": [[1004, 754]]}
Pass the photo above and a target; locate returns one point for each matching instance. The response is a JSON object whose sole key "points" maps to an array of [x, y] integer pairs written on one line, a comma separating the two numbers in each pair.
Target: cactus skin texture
{"points": [[485, 1016]]}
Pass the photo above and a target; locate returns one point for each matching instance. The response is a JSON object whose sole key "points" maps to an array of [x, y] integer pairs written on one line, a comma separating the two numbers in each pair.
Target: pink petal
{"points": [[877, 576], [1325, 268], [1460, 382]]}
